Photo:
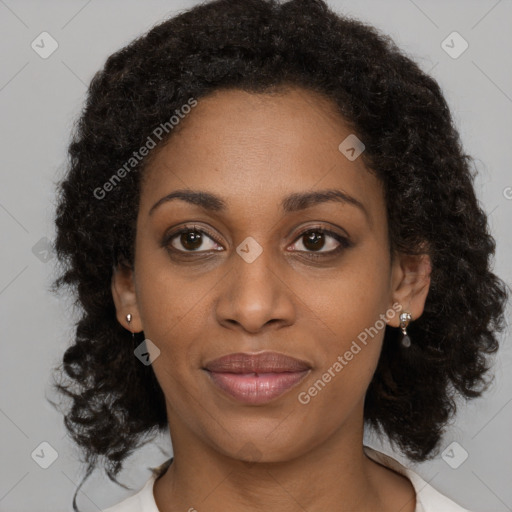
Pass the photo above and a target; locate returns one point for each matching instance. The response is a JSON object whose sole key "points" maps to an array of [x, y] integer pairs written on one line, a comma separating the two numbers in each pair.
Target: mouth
{"points": [[256, 378]]}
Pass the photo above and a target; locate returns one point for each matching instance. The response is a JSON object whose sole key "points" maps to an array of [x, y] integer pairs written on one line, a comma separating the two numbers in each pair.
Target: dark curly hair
{"points": [[411, 144]]}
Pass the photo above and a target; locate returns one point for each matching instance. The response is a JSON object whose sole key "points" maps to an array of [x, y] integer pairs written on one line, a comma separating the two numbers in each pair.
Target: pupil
{"points": [[315, 239], [191, 240]]}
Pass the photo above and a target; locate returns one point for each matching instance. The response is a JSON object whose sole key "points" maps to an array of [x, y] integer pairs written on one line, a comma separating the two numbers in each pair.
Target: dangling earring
{"points": [[405, 318], [129, 319]]}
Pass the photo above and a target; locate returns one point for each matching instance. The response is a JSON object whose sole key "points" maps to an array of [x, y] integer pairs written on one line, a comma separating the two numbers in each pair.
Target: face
{"points": [[259, 269]]}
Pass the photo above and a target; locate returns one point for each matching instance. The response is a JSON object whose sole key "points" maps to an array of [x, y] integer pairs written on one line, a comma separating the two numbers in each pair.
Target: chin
{"points": [[261, 445]]}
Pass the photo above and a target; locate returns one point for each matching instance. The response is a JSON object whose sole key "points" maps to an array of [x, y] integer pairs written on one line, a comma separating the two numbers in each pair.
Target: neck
{"points": [[335, 475]]}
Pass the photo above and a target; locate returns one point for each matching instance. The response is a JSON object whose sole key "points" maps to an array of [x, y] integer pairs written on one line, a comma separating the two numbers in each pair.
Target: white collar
{"points": [[427, 498]]}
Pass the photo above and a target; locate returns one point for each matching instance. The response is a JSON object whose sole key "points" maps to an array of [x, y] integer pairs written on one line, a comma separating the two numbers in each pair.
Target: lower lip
{"points": [[256, 389]]}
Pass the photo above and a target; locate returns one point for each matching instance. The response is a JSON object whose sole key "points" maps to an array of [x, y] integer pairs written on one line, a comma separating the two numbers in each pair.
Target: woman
{"points": [[270, 225]]}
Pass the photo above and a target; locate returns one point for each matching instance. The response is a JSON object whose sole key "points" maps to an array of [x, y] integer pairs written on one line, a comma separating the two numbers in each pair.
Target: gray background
{"points": [[39, 100]]}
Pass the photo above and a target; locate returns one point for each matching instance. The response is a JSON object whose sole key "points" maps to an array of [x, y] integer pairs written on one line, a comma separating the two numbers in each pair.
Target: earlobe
{"points": [[125, 298], [410, 284]]}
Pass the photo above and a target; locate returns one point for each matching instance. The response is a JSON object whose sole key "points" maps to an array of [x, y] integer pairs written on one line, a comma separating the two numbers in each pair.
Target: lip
{"points": [[256, 378]]}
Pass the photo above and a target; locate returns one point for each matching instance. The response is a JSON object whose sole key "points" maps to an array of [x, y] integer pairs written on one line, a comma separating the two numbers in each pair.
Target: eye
{"points": [[314, 241], [192, 239]]}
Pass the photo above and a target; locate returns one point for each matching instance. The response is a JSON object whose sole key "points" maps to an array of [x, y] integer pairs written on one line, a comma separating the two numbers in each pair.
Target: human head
{"points": [[411, 146]]}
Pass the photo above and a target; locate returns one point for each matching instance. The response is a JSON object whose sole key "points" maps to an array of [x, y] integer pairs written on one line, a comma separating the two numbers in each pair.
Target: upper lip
{"points": [[263, 362]]}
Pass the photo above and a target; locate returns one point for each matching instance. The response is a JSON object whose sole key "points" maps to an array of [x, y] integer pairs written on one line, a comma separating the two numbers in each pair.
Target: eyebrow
{"points": [[291, 203]]}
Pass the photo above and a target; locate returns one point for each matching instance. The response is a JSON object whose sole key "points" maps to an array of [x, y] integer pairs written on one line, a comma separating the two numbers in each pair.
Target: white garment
{"points": [[427, 498]]}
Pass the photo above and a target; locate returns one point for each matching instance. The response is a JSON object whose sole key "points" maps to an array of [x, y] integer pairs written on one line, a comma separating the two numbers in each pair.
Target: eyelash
{"points": [[344, 242]]}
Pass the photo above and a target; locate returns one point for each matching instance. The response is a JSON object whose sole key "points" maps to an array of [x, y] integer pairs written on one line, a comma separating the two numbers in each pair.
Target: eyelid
{"points": [[186, 228], [343, 241]]}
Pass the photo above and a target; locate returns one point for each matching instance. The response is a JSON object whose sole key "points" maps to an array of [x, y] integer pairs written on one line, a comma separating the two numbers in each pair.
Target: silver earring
{"points": [[129, 319], [405, 318]]}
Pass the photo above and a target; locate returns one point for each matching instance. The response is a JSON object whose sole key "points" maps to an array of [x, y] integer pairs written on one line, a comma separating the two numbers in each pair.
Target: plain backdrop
{"points": [[41, 97]]}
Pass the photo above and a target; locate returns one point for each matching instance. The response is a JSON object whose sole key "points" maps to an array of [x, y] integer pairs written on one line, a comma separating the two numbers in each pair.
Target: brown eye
{"points": [[313, 240], [191, 239], [316, 239]]}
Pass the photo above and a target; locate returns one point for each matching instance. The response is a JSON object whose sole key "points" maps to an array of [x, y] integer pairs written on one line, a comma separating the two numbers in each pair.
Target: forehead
{"points": [[255, 148]]}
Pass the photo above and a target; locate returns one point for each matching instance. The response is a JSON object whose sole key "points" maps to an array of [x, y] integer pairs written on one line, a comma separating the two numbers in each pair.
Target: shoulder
{"points": [[428, 499], [142, 501]]}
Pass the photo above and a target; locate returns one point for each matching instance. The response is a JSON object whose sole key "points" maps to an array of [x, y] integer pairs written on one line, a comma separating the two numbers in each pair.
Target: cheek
{"points": [[353, 297], [346, 361], [171, 308], [350, 309], [172, 316]]}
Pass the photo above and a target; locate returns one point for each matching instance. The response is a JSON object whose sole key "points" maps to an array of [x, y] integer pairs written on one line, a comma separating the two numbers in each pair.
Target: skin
{"points": [[253, 150]]}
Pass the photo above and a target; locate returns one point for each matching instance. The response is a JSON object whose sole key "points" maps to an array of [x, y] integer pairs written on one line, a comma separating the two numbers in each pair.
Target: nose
{"points": [[254, 296]]}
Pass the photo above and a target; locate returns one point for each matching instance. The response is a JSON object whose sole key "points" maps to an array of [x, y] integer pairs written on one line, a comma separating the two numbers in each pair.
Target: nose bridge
{"points": [[254, 272], [254, 293]]}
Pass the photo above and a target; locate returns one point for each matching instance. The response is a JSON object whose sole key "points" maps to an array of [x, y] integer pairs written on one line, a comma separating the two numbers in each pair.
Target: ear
{"points": [[125, 298], [410, 283]]}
